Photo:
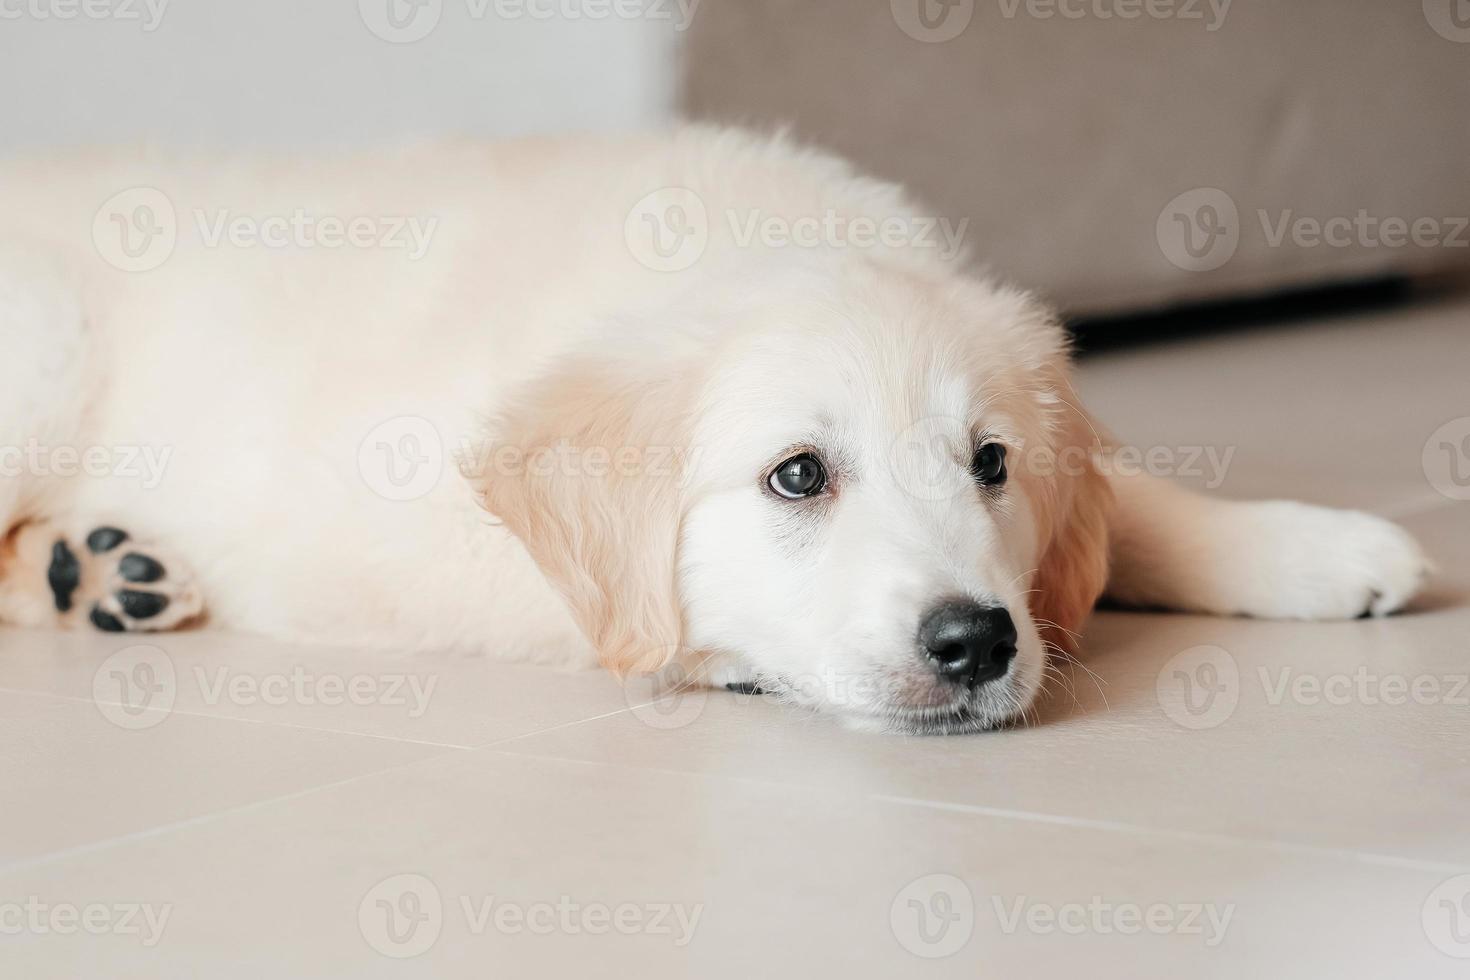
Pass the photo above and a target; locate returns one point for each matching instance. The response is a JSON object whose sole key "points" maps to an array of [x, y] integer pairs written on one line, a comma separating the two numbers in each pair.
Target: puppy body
{"points": [[258, 372], [529, 334]]}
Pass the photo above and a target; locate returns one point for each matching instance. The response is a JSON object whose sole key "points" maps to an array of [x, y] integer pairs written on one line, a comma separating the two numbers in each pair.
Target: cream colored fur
{"points": [[529, 323]]}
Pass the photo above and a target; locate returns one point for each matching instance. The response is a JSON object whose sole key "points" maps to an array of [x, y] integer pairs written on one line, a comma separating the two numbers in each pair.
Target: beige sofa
{"points": [[1130, 154]]}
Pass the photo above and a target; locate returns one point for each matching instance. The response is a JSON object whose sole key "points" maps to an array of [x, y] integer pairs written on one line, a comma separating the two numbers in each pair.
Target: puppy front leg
{"points": [[1273, 559]]}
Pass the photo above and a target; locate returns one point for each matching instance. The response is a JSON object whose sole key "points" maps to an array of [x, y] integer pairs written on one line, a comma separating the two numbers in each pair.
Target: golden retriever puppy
{"points": [[705, 398]]}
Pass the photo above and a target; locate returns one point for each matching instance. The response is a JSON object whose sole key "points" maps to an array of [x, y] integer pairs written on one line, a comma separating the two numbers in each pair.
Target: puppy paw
{"points": [[1320, 563], [123, 585], [723, 671]]}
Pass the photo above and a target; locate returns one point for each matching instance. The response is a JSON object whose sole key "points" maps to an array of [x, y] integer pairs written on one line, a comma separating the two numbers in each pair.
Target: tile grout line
{"points": [[1001, 813], [497, 746], [151, 832], [544, 731], [1203, 837], [268, 723], [203, 818], [1030, 816]]}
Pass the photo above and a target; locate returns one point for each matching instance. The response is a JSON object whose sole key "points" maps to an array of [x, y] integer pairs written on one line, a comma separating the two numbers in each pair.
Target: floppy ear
{"points": [[1074, 532], [585, 468]]}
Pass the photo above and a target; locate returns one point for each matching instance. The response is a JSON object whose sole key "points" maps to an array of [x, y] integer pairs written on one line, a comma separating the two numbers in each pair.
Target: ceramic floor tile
{"points": [[75, 773], [1308, 778], [1341, 736], [493, 864], [436, 699], [1339, 410], [1445, 534]]}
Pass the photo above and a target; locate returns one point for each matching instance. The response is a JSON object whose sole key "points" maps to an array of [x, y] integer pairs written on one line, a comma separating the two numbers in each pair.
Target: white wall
{"points": [[312, 72]]}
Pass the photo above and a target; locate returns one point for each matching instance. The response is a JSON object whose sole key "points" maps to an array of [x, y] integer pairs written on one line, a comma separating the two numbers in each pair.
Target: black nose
{"points": [[967, 642]]}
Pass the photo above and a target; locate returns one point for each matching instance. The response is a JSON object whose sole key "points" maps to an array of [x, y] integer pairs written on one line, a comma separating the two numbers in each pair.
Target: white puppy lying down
{"points": [[845, 471]]}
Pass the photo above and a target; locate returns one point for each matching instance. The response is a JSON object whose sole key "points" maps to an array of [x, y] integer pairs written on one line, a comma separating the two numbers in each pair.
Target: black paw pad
{"points": [[105, 539], [141, 605], [64, 575], [105, 621], [139, 568]]}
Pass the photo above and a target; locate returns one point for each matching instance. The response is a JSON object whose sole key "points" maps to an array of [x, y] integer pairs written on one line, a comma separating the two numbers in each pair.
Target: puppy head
{"points": [[876, 494]]}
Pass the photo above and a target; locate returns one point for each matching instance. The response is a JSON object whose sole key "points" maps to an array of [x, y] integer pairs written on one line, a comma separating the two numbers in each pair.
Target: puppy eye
{"points": [[989, 465], [799, 476]]}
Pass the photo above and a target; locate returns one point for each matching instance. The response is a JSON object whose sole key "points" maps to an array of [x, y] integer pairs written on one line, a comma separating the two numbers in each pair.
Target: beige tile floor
{"points": [[1307, 815]]}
